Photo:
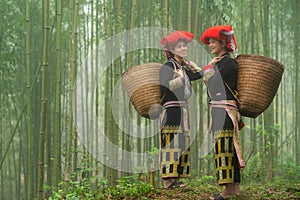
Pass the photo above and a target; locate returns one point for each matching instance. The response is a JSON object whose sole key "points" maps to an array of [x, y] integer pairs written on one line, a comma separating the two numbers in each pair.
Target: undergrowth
{"points": [[255, 185]]}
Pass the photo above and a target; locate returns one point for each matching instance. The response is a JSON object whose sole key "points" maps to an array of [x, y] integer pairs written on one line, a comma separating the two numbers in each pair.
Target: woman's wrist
{"points": [[176, 83]]}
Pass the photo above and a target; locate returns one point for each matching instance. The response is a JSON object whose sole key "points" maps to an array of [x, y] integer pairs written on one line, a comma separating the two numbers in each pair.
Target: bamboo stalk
{"points": [[29, 109], [44, 99]]}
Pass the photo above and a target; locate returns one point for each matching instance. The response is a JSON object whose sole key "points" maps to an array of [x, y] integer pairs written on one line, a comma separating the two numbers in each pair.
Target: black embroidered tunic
{"points": [[175, 136]]}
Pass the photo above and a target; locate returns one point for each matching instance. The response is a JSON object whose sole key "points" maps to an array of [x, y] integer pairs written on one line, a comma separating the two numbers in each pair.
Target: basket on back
{"points": [[258, 81], [142, 86]]}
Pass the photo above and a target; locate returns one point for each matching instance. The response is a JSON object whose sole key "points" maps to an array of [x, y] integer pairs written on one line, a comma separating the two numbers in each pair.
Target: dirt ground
{"points": [[248, 193]]}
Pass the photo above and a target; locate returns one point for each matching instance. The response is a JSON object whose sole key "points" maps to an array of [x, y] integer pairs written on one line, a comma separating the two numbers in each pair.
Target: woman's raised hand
{"points": [[215, 60], [178, 73]]}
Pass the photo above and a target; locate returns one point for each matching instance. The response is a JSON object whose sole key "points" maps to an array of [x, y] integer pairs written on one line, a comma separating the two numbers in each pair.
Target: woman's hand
{"points": [[178, 73], [192, 66], [177, 81], [215, 60]]}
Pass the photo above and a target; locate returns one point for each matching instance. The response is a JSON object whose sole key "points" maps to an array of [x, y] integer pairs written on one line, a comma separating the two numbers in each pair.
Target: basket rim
{"points": [[129, 70], [259, 58]]}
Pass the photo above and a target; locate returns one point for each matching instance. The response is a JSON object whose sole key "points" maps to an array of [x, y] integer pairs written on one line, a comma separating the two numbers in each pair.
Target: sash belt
{"points": [[233, 112], [175, 104], [184, 115]]}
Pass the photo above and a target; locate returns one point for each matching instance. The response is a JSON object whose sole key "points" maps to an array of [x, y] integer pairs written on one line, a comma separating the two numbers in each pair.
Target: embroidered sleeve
{"points": [[208, 71], [176, 83]]}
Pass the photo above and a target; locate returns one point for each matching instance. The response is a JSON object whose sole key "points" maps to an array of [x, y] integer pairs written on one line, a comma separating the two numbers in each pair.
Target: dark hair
{"points": [[225, 42], [169, 54]]}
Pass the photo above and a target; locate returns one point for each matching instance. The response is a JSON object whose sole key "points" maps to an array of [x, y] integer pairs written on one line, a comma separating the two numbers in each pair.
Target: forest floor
{"points": [[262, 191], [131, 188]]}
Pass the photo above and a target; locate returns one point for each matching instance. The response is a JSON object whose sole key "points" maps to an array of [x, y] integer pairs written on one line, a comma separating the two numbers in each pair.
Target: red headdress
{"points": [[168, 41], [221, 33]]}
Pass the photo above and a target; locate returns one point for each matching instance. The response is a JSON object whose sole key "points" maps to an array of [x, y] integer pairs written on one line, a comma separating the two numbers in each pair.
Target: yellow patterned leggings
{"points": [[226, 161], [175, 152]]}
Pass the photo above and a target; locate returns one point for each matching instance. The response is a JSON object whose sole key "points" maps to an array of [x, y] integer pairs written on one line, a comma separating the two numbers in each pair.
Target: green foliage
{"points": [[220, 12], [288, 170], [256, 170], [130, 187], [278, 189], [152, 155], [205, 181], [83, 189], [95, 188], [275, 130]]}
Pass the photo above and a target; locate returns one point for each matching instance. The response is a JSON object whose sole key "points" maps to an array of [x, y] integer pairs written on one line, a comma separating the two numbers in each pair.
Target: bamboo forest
{"points": [[69, 128]]}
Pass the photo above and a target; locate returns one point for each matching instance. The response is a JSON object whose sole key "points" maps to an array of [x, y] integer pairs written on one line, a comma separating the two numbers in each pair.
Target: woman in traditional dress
{"points": [[220, 76], [175, 87]]}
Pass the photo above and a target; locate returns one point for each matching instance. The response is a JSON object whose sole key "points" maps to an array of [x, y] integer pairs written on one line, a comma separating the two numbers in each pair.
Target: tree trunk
{"points": [[69, 139], [44, 99], [98, 92], [57, 117], [297, 95], [268, 116], [73, 75], [106, 93], [29, 173]]}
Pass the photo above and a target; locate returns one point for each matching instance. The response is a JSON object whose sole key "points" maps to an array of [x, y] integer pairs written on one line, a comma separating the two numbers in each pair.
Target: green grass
{"points": [[131, 188]]}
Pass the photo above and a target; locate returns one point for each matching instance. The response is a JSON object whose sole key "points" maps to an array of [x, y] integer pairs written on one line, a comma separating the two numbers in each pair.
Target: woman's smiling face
{"points": [[216, 47], [180, 49]]}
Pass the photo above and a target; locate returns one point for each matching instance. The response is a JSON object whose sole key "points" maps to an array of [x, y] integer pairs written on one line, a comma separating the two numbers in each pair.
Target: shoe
{"points": [[178, 185], [236, 189], [175, 185], [217, 197]]}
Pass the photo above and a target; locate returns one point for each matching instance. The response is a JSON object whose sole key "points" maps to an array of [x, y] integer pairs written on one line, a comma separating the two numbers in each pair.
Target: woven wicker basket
{"points": [[142, 86], [258, 81]]}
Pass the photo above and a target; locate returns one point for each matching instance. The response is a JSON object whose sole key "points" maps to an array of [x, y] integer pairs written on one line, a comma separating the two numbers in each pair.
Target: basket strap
{"points": [[174, 64], [164, 95], [187, 84], [235, 93]]}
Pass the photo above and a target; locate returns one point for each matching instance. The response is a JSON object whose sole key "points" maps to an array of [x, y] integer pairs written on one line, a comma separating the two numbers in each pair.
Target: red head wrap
{"points": [[168, 41], [220, 33]]}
